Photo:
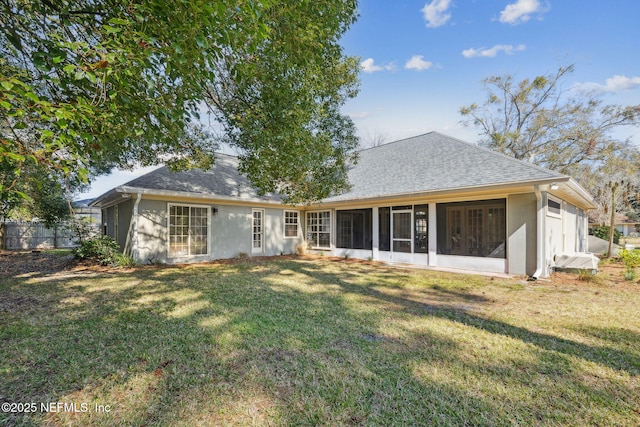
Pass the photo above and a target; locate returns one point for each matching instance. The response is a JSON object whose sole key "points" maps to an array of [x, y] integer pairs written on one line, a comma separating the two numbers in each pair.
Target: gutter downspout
{"points": [[134, 243], [539, 234]]}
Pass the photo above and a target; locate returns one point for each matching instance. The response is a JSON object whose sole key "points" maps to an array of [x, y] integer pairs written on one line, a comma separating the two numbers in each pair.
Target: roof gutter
{"points": [[581, 192], [451, 191], [134, 243], [539, 233], [189, 194], [132, 233]]}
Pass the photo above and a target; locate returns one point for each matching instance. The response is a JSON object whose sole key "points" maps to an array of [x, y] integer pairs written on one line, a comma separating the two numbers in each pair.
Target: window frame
{"points": [[553, 213], [189, 206], [285, 224], [261, 232], [309, 232]]}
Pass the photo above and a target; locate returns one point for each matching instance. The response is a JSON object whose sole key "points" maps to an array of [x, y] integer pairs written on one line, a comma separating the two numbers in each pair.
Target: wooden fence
{"points": [[34, 235]]}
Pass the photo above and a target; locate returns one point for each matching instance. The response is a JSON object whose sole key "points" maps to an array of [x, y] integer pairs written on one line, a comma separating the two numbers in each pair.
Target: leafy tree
{"points": [[49, 200], [95, 83], [613, 184], [537, 121], [567, 131]]}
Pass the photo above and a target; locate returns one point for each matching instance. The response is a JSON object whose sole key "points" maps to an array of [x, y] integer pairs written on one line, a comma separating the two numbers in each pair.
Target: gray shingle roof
{"points": [[426, 163], [222, 180], [434, 162]]}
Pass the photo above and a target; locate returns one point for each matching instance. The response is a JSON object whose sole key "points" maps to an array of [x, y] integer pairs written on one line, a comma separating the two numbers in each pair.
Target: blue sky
{"points": [[423, 60]]}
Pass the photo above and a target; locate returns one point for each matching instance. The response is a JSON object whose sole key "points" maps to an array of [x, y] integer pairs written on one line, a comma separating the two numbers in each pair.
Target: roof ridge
{"points": [[475, 145], [399, 140], [164, 166]]}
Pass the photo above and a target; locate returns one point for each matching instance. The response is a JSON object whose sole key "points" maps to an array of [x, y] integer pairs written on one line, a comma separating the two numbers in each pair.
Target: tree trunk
{"points": [[3, 227], [612, 219]]}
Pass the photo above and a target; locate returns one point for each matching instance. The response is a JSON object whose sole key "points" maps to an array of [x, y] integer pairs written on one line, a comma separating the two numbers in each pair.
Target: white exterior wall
{"points": [[564, 234], [230, 232], [521, 234]]}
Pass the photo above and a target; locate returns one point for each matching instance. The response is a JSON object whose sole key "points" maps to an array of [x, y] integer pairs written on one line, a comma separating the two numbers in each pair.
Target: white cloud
{"points": [[418, 63], [368, 66], [614, 84], [492, 52], [520, 11], [435, 13]]}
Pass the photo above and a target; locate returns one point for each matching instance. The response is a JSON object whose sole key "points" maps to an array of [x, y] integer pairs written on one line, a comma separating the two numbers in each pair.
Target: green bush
{"points": [[602, 231], [631, 259], [103, 249]]}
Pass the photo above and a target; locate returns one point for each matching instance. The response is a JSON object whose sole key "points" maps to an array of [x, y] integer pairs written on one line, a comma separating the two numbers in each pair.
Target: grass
{"points": [[317, 342]]}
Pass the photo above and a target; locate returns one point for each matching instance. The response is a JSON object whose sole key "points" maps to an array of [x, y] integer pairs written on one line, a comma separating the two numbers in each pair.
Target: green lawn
{"points": [[317, 342]]}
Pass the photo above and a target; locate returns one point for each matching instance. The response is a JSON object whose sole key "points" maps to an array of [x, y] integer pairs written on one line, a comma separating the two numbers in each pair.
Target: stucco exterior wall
{"points": [[152, 231], [108, 220], [582, 222], [554, 240], [230, 232], [125, 213], [565, 234], [521, 233]]}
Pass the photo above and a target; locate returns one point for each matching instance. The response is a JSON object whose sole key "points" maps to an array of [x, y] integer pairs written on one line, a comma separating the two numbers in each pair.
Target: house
{"points": [[430, 200], [628, 228]]}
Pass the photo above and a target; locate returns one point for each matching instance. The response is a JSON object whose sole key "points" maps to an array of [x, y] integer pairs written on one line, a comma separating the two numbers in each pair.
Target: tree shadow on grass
{"points": [[251, 344], [447, 308]]}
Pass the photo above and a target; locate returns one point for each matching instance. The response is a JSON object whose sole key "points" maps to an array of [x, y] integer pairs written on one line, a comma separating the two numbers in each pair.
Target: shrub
{"points": [[103, 249], [631, 260], [602, 231], [629, 274]]}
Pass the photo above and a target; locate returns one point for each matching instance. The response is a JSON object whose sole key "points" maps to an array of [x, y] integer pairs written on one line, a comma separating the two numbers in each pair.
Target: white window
{"points": [[554, 206], [291, 224], [319, 229], [257, 244], [188, 230]]}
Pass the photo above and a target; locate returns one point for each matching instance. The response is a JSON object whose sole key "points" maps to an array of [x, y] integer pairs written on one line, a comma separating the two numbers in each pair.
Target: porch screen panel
{"points": [[354, 229], [454, 230], [474, 241], [384, 229], [402, 231], [472, 228], [496, 232], [421, 232]]}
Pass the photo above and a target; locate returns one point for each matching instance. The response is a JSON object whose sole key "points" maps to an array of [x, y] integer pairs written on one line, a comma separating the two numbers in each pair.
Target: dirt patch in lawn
{"points": [[609, 274], [19, 263]]}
